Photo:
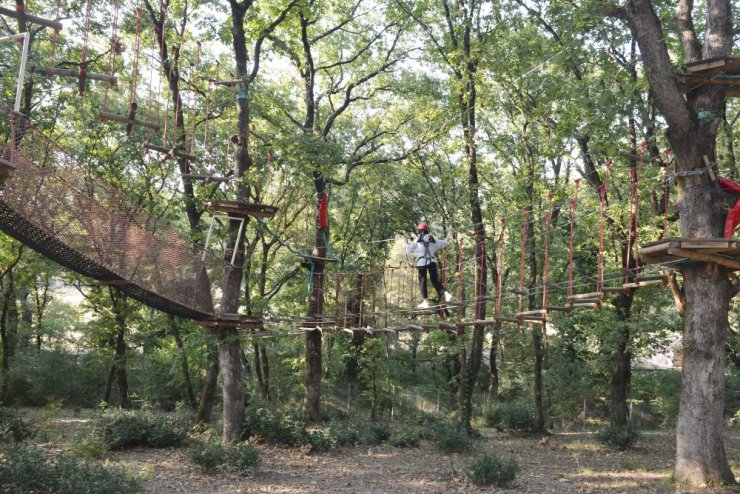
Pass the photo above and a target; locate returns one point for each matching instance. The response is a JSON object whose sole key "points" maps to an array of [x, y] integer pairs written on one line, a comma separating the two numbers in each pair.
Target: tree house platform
{"points": [[720, 71], [671, 251], [231, 321], [241, 209]]}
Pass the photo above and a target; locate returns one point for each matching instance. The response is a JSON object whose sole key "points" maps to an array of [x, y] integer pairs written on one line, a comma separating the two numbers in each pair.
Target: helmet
{"points": [[423, 227]]}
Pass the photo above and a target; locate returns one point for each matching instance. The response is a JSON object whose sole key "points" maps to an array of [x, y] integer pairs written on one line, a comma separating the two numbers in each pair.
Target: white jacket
{"points": [[424, 251]]}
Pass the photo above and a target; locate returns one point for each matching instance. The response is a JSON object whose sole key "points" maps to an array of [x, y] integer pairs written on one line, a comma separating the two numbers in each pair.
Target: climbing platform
{"points": [[677, 251], [720, 71], [69, 214], [222, 320], [241, 209]]}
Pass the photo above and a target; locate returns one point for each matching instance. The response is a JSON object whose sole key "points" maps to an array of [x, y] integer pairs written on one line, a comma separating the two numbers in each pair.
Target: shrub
{"points": [[351, 432], [618, 437], [450, 439], [13, 427], [243, 457], [208, 455], [267, 424], [90, 448], [121, 429], [404, 438], [321, 440], [24, 469], [489, 469], [514, 417]]}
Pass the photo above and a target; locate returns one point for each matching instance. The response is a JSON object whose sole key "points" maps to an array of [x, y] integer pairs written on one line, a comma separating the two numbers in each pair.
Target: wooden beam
{"points": [[531, 313], [414, 327], [587, 296], [698, 256], [104, 116], [171, 151], [56, 25], [446, 325], [729, 64], [111, 79], [241, 209], [207, 178], [509, 319], [587, 305], [558, 308]]}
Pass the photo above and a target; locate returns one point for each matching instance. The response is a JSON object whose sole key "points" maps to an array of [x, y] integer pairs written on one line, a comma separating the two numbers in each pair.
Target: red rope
{"points": [[500, 270], [522, 250], [573, 203], [634, 218], [665, 192], [546, 268], [602, 219]]}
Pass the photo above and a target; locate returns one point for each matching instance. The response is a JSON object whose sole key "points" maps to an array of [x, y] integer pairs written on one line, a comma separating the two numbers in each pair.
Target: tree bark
{"points": [[692, 127], [175, 330], [5, 384], [208, 395], [621, 372]]}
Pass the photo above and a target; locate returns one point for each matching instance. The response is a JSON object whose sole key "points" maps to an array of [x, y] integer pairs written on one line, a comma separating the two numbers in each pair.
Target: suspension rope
{"points": [[546, 267], [634, 217], [522, 250], [602, 220], [500, 270], [573, 204], [83, 62], [137, 52], [115, 49], [665, 192]]}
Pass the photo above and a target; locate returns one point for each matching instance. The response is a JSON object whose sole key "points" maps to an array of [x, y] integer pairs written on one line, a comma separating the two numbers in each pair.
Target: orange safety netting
{"points": [[72, 216]]}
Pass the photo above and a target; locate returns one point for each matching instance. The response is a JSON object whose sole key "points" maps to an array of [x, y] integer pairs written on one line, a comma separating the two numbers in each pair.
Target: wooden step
{"points": [[241, 209], [206, 178], [586, 296], [51, 71], [531, 313], [170, 152], [586, 301], [587, 305], [104, 116]]}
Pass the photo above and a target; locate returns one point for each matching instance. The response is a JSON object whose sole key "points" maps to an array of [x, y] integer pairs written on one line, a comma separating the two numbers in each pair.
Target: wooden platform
{"points": [[672, 251], [169, 152], [720, 71], [234, 321], [241, 209]]}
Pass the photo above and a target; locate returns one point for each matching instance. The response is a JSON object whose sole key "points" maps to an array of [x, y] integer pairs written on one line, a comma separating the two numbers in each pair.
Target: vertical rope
{"points": [[665, 192], [362, 298], [573, 204], [546, 268], [634, 218], [602, 220], [85, 37], [521, 264], [55, 35], [460, 277], [500, 270], [137, 52]]}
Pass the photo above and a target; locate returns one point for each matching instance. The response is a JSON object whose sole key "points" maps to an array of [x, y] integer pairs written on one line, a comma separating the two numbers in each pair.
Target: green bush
{"points": [[89, 447], [514, 417], [489, 469], [405, 438], [267, 424], [13, 427], [208, 455], [243, 457], [26, 469], [618, 437], [121, 429], [352, 432], [321, 440], [450, 439]]}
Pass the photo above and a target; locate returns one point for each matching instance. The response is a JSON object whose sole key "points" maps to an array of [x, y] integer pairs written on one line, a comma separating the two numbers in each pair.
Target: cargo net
{"points": [[72, 216]]}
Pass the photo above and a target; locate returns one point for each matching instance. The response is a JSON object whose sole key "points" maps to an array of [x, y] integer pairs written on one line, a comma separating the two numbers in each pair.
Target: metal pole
{"points": [[22, 70], [238, 240]]}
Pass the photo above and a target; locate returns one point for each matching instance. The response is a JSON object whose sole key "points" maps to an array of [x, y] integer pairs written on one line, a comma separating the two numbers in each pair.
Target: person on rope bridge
{"points": [[423, 249], [733, 215]]}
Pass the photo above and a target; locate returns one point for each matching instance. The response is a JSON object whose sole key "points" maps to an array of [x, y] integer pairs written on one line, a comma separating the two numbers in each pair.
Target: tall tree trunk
{"points": [[692, 128], [208, 395], [120, 368], [175, 330], [5, 384], [493, 374], [621, 373], [109, 384]]}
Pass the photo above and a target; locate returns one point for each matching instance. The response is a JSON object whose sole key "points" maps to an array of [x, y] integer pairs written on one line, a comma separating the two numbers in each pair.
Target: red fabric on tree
{"points": [[324, 211], [733, 215]]}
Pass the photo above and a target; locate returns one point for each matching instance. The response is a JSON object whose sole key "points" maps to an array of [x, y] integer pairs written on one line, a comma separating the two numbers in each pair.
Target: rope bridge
{"points": [[72, 216]]}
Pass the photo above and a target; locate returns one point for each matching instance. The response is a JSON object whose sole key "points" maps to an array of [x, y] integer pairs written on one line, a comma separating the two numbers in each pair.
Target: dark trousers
{"points": [[432, 270]]}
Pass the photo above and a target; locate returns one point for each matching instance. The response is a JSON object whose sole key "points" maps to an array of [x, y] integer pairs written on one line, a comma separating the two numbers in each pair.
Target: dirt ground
{"points": [[571, 462]]}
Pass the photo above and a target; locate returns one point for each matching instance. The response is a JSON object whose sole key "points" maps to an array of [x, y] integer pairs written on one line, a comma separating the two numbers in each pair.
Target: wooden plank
{"points": [[531, 313], [534, 320], [414, 327], [716, 80], [588, 296], [485, 322], [723, 261], [639, 283], [729, 64], [171, 151], [612, 289], [509, 319], [558, 308], [586, 301], [51, 71], [241, 209], [446, 325], [207, 178], [651, 249], [56, 25], [589, 305], [104, 116]]}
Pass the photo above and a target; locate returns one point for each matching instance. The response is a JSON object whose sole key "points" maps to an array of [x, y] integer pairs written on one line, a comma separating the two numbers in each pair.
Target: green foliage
{"points": [[659, 392], [406, 437], [321, 440], [207, 454], [354, 432], [122, 429], [451, 439], [618, 437], [89, 447], [14, 427], [267, 424], [27, 469], [490, 469], [243, 456], [514, 417]]}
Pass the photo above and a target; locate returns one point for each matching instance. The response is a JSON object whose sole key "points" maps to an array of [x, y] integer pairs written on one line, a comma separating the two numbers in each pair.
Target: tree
{"points": [[692, 126]]}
